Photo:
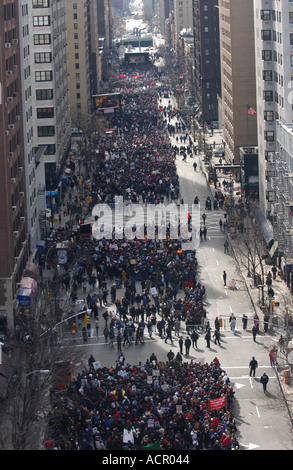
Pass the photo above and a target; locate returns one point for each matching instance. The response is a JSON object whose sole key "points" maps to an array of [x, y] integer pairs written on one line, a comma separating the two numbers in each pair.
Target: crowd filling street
{"points": [[178, 404]]}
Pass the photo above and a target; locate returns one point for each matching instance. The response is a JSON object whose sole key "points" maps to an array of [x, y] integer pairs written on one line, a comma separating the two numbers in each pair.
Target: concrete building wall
{"points": [[274, 68], [183, 14], [237, 74], [13, 230], [78, 61]]}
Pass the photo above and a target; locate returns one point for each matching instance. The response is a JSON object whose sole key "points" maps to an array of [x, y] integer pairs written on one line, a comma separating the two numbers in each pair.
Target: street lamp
{"points": [[40, 371]]}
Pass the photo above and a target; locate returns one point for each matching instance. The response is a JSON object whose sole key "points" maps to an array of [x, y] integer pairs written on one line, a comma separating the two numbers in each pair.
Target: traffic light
{"points": [[86, 319]]}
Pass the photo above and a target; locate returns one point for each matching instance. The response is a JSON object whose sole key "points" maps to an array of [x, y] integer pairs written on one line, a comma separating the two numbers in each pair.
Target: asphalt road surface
{"points": [[262, 418]]}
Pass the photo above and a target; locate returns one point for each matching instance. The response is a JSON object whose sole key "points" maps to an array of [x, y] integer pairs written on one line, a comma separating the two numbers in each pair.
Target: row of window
{"points": [[43, 20], [268, 55], [267, 15], [269, 95], [268, 35], [41, 3], [270, 75]]}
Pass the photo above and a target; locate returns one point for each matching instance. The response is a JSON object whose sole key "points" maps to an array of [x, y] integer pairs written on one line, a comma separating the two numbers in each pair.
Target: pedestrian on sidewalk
{"points": [[254, 332], [119, 341], [106, 334], [232, 321], [273, 356], [204, 216], [244, 321], [264, 380], [226, 247], [274, 271], [194, 338], [170, 356], [187, 345], [111, 337], [252, 366], [97, 327], [208, 338], [180, 342], [84, 334], [216, 335], [269, 282], [169, 334], [224, 277]]}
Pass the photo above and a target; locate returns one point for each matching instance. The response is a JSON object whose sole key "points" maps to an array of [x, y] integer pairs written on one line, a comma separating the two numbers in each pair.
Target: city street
{"points": [[262, 419]]}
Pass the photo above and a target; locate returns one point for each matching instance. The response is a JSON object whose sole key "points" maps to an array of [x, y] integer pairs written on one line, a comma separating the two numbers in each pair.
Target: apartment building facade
{"points": [[50, 88], [274, 72], [13, 228]]}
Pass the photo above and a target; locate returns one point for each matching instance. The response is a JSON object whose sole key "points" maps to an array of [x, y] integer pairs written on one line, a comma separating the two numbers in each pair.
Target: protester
{"points": [[102, 403]]}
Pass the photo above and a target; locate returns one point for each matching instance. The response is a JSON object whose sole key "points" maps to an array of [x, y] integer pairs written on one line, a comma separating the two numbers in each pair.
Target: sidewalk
{"points": [[282, 292]]}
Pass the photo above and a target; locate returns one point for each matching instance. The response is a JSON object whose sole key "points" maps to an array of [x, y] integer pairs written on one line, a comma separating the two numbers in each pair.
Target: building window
{"points": [[50, 149], [268, 95], [43, 113], [266, 35], [44, 76], [42, 39], [43, 57], [265, 15], [267, 75], [291, 39], [268, 115], [44, 94], [41, 3], [269, 136], [46, 131], [266, 55], [41, 20]]}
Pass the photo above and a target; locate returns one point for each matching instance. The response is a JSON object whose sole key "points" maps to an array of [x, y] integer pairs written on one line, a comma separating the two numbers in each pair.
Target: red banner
{"points": [[217, 403]]}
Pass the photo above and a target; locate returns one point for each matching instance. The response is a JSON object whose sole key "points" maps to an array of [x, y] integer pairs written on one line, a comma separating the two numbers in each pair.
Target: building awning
{"points": [[263, 224]]}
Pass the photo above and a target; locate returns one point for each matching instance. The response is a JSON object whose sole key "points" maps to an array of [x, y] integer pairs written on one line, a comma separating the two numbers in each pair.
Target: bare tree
{"points": [[251, 248], [35, 349]]}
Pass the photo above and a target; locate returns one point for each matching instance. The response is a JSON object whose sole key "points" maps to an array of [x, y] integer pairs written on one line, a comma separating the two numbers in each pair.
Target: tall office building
{"points": [[50, 99], [78, 61], [13, 230], [274, 73], [34, 167], [183, 15], [46, 117], [207, 72], [236, 26]]}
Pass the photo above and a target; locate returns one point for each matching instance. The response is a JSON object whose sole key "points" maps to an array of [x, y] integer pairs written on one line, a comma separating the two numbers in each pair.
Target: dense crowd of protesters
{"points": [[151, 405], [164, 405]]}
